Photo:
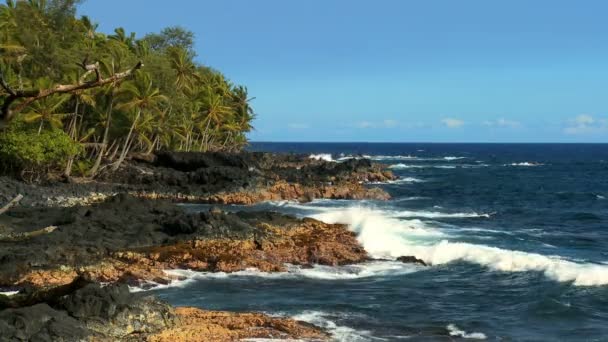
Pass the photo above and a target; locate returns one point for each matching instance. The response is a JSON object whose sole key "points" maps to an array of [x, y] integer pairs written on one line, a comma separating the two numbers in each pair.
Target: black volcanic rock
{"points": [[104, 312]]}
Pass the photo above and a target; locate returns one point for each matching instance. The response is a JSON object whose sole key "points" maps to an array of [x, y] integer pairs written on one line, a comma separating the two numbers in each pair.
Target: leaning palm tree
{"points": [[139, 96]]}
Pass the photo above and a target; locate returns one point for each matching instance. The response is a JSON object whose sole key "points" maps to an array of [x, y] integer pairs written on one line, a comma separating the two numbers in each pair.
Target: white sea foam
{"points": [[386, 237], [403, 180], [338, 332], [456, 332], [319, 272], [525, 164], [600, 197], [401, 166], [405, 166], [9, 293], [399, 157], [435, 214], [322, 156], [348, 157], [411, 198]]}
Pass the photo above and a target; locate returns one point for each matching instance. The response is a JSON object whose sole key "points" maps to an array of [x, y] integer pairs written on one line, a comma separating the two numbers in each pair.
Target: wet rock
{"points": [[411, 260]]}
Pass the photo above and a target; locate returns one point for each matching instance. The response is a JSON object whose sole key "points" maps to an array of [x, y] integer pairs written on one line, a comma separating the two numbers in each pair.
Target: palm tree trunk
{"points": [[153, 145], [104, 142], [72, 132], [205, 135], [127, 144]]}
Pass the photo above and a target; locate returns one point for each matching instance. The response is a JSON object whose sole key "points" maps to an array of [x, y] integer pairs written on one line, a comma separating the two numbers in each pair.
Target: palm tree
{"points": [[184, 68], [121, 36], [47, 110], [216, 112], [140, 95], [8, 22]]}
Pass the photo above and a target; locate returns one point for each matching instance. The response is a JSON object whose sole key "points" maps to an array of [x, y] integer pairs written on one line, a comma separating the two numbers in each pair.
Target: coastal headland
{"points": [[70, 250]]}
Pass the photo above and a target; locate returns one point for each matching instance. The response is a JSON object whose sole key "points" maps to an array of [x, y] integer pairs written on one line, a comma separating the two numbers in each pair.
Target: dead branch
{"points": [[26, 97], [14, 237], [11, 204]]}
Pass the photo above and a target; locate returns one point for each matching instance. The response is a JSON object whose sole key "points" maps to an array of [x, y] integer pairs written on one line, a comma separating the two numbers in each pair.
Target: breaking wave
{"points": [[322, 156], [386, 237]]}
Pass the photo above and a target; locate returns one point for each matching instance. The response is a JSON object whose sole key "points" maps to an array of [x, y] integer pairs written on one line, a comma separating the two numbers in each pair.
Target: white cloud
{"points": [[502, 122], [387, 123], [364, 124], [586, 124], [298, 125], [390, 123], [452, 123]]}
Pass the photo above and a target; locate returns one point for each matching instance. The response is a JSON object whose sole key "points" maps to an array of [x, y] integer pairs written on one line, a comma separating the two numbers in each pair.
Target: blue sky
{"points": [[400, 71]]}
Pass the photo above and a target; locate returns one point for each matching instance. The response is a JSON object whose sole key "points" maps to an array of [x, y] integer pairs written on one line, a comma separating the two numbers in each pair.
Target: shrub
{"points": [[30, 153]]}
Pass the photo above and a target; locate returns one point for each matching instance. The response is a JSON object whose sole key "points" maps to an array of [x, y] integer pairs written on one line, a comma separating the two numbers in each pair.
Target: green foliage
{"points": [[81, 167], [23, 148], [172, 103]]}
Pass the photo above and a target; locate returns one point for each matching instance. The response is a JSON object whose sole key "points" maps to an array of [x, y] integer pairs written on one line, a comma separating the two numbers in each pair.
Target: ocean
{"points": [[517, 236]]}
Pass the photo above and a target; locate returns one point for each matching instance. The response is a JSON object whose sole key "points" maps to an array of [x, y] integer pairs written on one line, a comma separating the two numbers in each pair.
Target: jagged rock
{"points": [[411, 260]]}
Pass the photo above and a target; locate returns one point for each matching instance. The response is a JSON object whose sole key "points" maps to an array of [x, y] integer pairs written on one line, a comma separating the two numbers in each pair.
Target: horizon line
{"points": [[423, 142]]}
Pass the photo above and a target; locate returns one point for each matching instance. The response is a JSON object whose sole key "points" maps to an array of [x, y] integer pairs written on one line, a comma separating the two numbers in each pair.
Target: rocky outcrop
{"points": [[245, 178], [199, 325], [282, 190], [305, 242], [133, 240]]}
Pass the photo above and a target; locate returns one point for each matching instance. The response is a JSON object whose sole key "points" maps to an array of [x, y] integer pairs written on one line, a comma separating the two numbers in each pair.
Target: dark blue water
{"points": [[517, 235]]}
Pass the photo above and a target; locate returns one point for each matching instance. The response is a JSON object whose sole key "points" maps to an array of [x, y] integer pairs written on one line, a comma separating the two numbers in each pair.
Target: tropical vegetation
{"points": [[77, 100]]}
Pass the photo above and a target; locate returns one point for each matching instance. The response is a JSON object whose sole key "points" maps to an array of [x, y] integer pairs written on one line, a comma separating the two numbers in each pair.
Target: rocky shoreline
{"points": [[125, 229]]}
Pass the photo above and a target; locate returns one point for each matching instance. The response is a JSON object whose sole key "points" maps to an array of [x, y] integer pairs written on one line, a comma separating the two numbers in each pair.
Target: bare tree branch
{"points": [[26, 97], [11, 204]]}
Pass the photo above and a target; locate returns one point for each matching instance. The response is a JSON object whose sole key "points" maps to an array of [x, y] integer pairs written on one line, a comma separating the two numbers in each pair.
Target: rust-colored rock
{"points": [[307, 242], [282, 190], [311, 242], [199, 325]]}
